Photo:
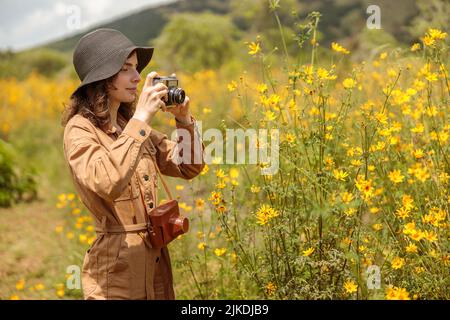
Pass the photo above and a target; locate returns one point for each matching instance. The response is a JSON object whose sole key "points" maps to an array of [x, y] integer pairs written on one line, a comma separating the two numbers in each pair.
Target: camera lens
{"points": [[176, 96]]}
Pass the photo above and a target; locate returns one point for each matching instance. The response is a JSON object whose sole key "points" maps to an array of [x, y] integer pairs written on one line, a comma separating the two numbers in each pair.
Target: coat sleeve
{"points": [[182, 158], [105, 172]]}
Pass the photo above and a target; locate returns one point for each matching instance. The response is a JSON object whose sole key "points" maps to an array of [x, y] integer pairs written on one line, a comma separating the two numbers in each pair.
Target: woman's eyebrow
{"points": [[130, 64]]}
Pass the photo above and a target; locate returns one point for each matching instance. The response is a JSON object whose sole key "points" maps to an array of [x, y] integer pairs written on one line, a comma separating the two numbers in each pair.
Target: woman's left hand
{"points": [[180, 111]]}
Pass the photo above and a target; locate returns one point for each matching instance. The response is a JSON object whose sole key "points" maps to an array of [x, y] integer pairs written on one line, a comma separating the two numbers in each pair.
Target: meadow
{"points": [[357, 210]]}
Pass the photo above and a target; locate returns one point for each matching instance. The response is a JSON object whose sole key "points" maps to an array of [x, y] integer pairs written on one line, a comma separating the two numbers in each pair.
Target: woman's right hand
{"points": [[150, 100]]}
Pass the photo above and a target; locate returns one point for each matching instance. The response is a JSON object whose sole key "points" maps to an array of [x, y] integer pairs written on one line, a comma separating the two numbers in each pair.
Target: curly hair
{"points": [[91, 101]]}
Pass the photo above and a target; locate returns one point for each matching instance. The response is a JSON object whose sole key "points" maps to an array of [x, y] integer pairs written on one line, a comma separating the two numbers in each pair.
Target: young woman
{"points": [[112, 151]]}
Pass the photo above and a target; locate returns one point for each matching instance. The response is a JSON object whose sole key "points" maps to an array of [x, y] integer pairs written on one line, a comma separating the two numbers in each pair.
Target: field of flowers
{"points": [[359, 206]]}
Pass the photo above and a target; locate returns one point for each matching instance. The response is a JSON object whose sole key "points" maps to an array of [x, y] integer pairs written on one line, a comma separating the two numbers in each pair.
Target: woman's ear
{"points": [[110, 83]]}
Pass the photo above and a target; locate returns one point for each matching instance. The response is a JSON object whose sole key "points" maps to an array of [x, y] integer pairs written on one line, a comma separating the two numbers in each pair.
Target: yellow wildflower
{"points": [[271, 288], [340, 174], [199, 203], [20, 285], [349, 83], [402, 213], [377, 226], [265, 213], [324, 74], [269, 115], [232, 86], [415, 47], [338, 48], [411, 248], [394, 293], [396, 176], [234, 173], [290, 138], [308, 252], [350, 212], [416, 235], [397, 263], [430, 236], [437, 34], [220, 251], [350, 286], [409, 227], [347, 197], [254, 48], [262, 88]]}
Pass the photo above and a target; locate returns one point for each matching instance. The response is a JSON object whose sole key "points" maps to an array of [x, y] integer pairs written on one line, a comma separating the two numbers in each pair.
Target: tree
{"points": [[192, 42], [432, 14]]}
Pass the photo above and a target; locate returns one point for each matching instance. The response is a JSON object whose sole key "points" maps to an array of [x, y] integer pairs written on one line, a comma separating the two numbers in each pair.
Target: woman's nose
{"points": [[136, 77]]}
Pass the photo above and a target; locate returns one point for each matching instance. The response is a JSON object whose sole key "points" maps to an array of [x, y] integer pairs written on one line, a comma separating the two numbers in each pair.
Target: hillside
{"points": [[146, 24], [341, 19]]}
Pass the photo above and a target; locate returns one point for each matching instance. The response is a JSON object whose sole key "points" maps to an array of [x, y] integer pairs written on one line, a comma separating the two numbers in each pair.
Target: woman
{"points": [[112, 152]]}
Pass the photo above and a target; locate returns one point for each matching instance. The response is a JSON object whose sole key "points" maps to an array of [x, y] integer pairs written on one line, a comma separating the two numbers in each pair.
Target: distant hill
{"points": [[342, 20], [145, 25]]}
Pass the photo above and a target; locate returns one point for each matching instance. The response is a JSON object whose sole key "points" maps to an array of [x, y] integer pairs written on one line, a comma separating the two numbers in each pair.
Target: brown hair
{"points": [[91, 101]]}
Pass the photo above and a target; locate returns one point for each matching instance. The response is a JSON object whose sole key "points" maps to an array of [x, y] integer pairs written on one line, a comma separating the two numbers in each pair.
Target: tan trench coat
{"points": [[116, 180]]}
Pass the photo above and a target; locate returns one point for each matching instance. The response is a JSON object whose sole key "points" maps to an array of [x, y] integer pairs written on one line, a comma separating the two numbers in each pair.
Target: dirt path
{"points": [[31, 250]]}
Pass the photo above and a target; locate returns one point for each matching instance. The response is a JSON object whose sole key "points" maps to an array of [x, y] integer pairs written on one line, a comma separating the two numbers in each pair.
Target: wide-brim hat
{"points": [[101, 53]]}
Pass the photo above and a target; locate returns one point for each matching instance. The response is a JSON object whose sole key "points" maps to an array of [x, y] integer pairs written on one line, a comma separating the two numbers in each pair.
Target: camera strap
{"points": [[169, 194], [162, 179]]}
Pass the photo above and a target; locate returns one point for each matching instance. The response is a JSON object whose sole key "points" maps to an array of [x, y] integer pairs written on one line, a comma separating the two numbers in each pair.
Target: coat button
{"points": [[142, 132], [150, 204], [146, 177]]}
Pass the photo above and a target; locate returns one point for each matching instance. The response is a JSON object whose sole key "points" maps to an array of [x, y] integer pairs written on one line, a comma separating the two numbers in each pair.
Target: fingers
{"points": [[160, 93], [149, 79], [158, 87]]}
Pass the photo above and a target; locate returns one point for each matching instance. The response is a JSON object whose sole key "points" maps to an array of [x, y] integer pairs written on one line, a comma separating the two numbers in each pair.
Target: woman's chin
{"points": [[129, 98]]}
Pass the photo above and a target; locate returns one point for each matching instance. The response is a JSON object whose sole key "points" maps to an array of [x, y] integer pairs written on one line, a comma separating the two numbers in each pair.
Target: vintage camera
{"points": [[167, 224], [175, 95]]}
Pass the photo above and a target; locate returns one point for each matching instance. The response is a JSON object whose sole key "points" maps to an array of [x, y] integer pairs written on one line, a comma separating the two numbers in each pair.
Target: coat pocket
{"points": [[123, 205], [120, 261], [128, 193], [90, 274]]}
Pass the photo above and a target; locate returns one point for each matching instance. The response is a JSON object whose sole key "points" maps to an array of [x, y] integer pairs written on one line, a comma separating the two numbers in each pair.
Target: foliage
{"points": [[192, 42], [16, 184]]}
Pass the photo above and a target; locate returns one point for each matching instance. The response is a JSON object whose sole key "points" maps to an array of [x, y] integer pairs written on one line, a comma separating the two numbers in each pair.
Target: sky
{"points": [[27, 23]]}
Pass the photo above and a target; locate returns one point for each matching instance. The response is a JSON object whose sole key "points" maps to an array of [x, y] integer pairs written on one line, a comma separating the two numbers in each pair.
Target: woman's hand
{"points": [[181, 111], [150, 101]]}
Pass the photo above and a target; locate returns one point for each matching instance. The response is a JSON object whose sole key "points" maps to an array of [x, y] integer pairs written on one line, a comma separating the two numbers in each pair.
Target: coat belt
{"points": [[124, 228]]}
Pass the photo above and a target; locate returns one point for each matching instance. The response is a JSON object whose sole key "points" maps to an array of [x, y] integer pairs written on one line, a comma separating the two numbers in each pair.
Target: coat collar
{"points": [[120, 121]]}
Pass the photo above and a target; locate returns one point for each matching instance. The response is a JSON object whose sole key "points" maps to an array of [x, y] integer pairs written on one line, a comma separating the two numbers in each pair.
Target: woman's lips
{"points": [[133, 90]]}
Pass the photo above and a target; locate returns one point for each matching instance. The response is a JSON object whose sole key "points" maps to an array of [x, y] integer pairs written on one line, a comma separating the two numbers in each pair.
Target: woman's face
{"points": [[126, 81]]}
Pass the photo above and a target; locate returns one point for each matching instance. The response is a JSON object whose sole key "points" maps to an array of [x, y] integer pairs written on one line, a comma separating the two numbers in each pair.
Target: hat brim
{"points": [[114, 63]]}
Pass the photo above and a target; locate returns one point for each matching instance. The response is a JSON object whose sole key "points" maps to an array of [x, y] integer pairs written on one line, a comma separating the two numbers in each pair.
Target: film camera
{"points": [[175, 94]]}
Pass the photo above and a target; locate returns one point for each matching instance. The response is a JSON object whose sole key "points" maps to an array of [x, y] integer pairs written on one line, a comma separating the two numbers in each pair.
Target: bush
{"points": [[44, 61], [195, 42], [16, 184]]}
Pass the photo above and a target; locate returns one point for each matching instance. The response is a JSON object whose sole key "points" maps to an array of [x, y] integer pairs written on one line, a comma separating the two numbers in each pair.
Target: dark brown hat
{"points": [[101, 53]]}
